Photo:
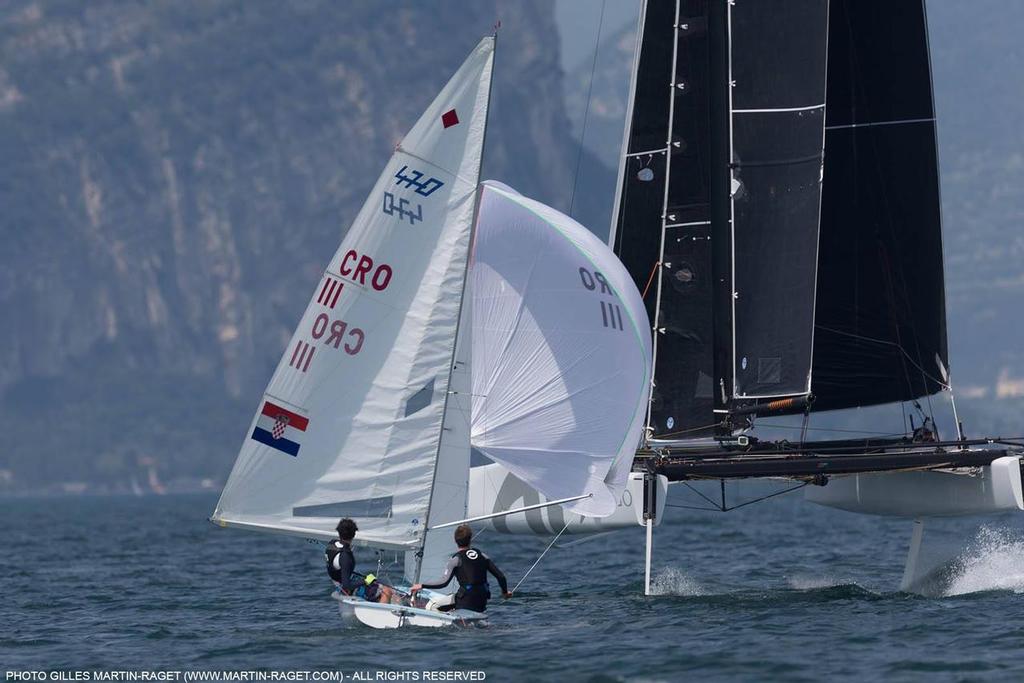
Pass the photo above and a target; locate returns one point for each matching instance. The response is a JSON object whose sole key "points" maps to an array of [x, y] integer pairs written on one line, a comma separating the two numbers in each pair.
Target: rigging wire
{"points": [[541, 556], [586, 111], [722, 507]]}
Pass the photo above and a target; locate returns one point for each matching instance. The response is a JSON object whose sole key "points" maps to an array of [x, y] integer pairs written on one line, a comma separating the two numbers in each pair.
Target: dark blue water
{"points": [[782, 590]]}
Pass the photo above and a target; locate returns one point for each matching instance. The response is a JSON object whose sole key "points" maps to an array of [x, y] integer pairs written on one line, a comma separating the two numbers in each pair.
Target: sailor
{"points": [[341, 564], [470, 566]]}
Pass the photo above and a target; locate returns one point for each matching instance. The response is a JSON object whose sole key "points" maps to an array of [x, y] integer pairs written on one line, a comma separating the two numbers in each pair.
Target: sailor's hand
{"points": [[507, 595], [416, 588]]}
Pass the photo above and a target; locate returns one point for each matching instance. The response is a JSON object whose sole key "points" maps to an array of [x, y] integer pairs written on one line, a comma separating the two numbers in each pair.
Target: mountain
{"points": [[176, 175], [978, 65]]}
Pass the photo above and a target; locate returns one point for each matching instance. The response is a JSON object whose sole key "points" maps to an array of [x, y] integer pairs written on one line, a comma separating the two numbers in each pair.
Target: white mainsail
{"points": [[351, 423], [561, 352]]}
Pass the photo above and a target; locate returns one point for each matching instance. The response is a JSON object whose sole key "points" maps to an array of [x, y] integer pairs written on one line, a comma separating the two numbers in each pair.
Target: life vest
{"points": [[335, 548], [472, 572]]}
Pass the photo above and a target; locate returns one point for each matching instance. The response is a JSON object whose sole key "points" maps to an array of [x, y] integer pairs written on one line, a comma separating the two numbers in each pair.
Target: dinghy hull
{"points": [[383, 616]]}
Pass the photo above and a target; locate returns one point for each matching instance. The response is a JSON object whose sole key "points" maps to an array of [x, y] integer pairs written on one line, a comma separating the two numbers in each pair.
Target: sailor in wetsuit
{"points": [[341, 564], [470, 567]]}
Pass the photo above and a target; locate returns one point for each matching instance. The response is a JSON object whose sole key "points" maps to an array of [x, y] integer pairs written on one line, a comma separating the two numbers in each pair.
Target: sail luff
{"points": [[455, 467]]}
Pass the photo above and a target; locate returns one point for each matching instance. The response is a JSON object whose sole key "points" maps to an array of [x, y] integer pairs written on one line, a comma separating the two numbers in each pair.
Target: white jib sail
{"points": [[351, 422], [561, 352]]}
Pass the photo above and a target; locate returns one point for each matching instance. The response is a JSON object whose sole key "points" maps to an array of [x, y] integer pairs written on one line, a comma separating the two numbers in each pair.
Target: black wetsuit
{"points": [[470, 567], [341, 564]]}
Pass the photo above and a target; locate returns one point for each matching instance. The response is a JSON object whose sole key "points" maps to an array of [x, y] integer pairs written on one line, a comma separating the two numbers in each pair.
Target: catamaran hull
{"points": [[375, 615], [933, 493]]}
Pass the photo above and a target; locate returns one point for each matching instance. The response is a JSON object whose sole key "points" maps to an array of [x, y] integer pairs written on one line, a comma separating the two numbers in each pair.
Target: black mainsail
{"points": [[881, 323], [718, 208]]}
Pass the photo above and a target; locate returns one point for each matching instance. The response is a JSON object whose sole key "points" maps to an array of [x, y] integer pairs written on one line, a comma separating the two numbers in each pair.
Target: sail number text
{"points": [[611, 311]]}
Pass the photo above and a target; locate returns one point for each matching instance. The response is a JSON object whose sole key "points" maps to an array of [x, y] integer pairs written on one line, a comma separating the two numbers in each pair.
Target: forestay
{"points": [[561, 352], [351, 422]]}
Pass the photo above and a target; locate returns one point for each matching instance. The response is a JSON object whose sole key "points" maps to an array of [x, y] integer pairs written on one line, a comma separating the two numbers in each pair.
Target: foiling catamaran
{"points": [[779, 207]]}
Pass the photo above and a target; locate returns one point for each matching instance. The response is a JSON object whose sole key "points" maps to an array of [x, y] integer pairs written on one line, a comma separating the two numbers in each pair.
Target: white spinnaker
{"points": [[561, 352], [369, 365]]}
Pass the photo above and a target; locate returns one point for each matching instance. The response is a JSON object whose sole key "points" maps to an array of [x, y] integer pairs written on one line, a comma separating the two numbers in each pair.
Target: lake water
{"points": [[781, 590]]}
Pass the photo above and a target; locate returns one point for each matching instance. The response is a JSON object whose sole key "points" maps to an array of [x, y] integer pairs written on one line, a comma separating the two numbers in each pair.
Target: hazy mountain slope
{"points": [[175, 177], [978, 63]]}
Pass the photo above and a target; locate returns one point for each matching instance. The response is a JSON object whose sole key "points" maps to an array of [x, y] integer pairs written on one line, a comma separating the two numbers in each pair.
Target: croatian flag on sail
{"points": [[280, 428]]}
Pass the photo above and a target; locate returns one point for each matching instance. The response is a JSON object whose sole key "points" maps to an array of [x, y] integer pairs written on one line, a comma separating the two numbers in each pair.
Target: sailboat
{"points": [[778, 206], [454, 316]]}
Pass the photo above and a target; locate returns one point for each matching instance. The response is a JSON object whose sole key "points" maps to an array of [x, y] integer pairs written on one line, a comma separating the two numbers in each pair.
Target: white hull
{"points": [[933, 493], [376, 615]]}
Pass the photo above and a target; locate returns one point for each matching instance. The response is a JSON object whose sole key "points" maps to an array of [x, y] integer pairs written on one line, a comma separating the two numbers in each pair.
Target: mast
{"points": [[457, 430], [660, 268], [719, 68], [663, 225]]}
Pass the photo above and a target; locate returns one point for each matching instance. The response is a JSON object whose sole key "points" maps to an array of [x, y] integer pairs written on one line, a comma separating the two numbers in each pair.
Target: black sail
{"points": [[778, 66], [880, 329], [703, 157], [666, 193]]}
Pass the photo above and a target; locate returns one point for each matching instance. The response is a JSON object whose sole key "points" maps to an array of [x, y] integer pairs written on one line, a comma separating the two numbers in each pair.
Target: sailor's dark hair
{"points": [[347, 529], [463, 535]]}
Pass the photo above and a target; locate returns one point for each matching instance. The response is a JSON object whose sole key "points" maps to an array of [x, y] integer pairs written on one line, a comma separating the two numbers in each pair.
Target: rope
{"points": [[541, 557], [650, 279]]}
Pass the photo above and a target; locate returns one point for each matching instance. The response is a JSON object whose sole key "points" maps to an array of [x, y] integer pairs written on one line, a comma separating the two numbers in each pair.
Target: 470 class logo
{"points": [[424, 188], [414, 180], [401, 207]]}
